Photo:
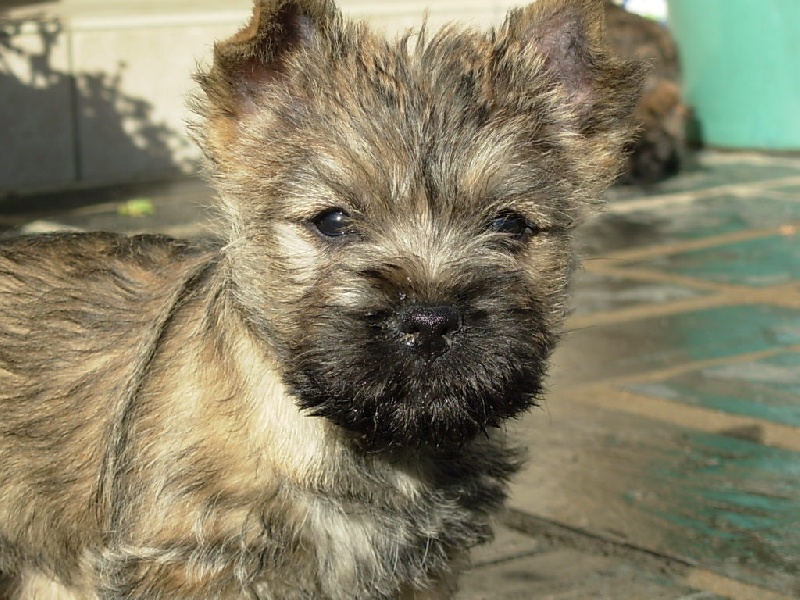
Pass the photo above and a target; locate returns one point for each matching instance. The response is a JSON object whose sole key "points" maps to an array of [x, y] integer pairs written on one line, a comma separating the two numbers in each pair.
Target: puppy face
{"points": [[425, 318], [400, 212]]}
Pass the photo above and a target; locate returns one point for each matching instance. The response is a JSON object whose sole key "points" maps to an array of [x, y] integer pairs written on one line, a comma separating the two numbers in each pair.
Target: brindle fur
{"points": [[240, 418]]}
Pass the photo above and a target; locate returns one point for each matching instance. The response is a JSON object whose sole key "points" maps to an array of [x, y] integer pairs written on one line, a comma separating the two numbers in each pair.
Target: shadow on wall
{"points": [[61, 128]]}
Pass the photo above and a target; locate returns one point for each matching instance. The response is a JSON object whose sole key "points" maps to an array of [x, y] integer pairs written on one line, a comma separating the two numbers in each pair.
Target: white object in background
{"points": [[655, 9]]}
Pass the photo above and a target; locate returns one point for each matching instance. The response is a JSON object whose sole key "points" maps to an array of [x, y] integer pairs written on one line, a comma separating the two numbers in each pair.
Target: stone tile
{"points": [[760, 262], [42, 226], [599, 293], [179, 208], [507, 545], [767, 389], [179, 211], [568, 574], [624, 349]]}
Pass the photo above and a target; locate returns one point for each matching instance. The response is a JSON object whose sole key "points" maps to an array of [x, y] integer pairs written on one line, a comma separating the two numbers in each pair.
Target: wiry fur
{"points": [[243, 419]]}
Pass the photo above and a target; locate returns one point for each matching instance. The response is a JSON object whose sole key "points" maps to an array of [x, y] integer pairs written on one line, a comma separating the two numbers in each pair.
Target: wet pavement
{"points": [[666, 460]]}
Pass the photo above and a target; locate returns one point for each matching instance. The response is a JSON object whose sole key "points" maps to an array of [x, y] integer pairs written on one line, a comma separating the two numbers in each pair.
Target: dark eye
{"points": [[513, 224], [333, 223]]}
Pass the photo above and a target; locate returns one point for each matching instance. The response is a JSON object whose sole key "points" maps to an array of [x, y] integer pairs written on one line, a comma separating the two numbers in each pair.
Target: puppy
{"points": [[312, 405]]}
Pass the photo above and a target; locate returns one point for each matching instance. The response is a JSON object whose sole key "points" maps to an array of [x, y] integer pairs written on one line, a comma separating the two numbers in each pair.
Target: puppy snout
{"points": [[429, 329]]}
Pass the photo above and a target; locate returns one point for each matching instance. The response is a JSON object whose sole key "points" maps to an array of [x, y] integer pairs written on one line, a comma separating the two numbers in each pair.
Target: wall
{"points": [[94, 92]]}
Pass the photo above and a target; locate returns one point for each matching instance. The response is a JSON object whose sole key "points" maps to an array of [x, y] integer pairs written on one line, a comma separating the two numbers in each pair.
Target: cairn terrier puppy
{"points": [[311, 407]]}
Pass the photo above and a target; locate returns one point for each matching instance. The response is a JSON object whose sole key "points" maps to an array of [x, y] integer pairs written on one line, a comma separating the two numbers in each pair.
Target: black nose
{"points": [[426, 328]]}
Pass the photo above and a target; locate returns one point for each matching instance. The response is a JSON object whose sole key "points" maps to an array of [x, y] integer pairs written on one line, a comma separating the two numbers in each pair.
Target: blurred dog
{"points": [[659, 150]]}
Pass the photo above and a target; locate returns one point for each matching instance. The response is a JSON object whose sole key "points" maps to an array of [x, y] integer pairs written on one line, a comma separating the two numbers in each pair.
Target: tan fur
{"points": [[36, 586], [292, 411]]}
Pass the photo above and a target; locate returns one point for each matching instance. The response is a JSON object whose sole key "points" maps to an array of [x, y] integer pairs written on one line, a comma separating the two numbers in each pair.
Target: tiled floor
{"points": [[666, 461], [673, 424]]}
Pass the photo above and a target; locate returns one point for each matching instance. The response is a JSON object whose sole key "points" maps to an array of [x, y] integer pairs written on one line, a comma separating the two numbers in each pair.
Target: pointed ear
{"points": [[568, 36], [257, 55]]}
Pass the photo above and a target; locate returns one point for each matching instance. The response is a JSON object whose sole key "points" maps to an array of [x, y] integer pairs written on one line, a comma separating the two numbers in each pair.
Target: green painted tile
{"points": [[712, 216], [708, 173], [601, 352], [791, 191], [711, 175], [732, 505], [767, 389], [595, 293], [760, 262]]}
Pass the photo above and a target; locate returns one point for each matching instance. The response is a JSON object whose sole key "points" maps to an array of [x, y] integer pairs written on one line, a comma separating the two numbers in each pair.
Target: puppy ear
{"points": [[258, 55], [568, 37]]}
